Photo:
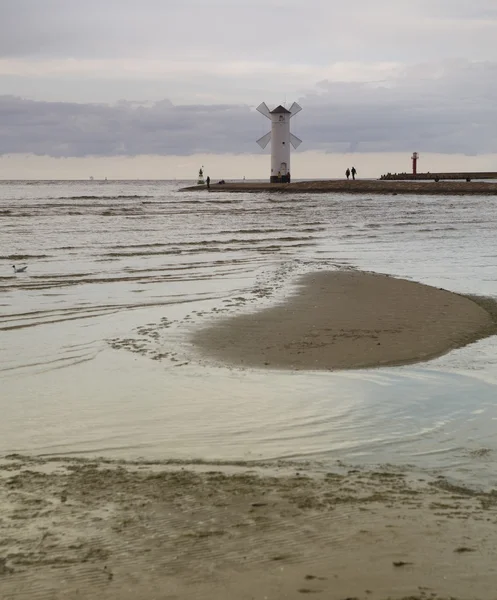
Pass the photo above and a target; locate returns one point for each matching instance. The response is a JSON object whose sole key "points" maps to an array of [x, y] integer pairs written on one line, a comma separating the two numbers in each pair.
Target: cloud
{"points": [[227, 51], [447, 107], [290, 30], [185, 82], [69, 129]]}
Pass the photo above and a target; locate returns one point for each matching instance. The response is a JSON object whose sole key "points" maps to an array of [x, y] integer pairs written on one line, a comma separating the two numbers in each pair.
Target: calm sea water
{"points": [[94, 351]]}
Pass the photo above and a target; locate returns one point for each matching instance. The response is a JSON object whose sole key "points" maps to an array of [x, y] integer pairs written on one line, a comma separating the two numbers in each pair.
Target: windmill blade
{"points": [[264, 140], [295, 141], [295, 108], [264, 110]]}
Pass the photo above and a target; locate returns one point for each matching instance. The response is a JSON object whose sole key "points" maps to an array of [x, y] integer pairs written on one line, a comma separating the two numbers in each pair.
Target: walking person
{"points": [[353, 172], [208, 181], [347, 173]]}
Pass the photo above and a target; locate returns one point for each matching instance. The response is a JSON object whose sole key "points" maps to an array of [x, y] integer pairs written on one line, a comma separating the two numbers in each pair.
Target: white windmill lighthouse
{"points": [[280, 138]]}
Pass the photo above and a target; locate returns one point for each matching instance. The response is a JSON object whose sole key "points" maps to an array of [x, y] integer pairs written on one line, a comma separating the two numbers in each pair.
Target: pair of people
{"points": [[350, 172]]}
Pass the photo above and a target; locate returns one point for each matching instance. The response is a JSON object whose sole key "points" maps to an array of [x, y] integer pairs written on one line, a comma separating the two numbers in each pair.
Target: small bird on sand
{"points": [[20, 269]]}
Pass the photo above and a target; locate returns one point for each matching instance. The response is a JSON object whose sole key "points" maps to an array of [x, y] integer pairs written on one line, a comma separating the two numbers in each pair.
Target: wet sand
{"points": [[357, 187], [350, 320], [76, 529]]}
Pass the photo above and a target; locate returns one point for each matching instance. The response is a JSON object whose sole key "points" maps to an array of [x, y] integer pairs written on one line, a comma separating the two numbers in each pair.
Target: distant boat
{"points": [[91, 177]]}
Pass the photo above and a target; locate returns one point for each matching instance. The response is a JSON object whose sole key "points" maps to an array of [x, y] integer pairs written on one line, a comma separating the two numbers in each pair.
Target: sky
{"points": [[154, 88]]}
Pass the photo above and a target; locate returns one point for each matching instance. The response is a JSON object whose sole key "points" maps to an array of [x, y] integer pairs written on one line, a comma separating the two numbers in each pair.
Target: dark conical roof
{"points": [[280, 109]]}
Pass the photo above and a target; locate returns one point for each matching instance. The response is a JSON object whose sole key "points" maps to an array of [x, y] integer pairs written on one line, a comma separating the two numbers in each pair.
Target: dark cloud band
{"points": [[452, 111]]}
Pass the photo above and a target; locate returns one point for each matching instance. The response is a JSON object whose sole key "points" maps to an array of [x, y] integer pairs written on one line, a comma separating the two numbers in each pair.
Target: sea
{"points": [[95, 351]]}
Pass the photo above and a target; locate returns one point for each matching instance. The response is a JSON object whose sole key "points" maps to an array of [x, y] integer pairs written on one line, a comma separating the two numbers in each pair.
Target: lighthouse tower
{"points": [[280, 138], [414, 159]]}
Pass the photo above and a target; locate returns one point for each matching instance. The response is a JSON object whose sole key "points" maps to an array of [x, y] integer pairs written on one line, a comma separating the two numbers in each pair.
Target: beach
{"points": [[117, 529], [81, 529], [351, 320], [246, 396], [365, 186]]}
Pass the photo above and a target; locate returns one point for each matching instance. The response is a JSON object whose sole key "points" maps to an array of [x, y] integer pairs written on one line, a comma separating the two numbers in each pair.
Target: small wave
{"points": [[119, 212], [203, 243], [182, 202], [128, 246], [251, 231], [409, 223], [23, 256], [121, 197], [65, 276], [428, 229], [111, 255], [224, 201]]}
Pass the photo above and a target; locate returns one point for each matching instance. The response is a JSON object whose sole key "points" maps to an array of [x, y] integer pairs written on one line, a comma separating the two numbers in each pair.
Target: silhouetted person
{"points": [[288, 177], [208, 181], [353, 172], [347, 173]]}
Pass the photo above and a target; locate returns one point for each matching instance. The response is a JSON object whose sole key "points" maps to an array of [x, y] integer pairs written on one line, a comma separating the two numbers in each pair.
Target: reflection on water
{"points": [[95, 357]]}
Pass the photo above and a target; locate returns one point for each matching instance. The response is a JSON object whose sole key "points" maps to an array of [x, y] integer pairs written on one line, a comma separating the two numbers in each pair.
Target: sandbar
{"points": [[349, 320]]}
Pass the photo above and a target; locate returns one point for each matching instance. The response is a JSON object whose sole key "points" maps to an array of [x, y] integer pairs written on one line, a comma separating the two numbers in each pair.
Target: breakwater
{"points": [[365, 186], [471, 175]]}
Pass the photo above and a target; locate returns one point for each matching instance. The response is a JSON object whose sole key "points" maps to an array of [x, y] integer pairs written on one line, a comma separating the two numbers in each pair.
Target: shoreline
{"points": [[359, 186], [350, 320], [86, 528]]}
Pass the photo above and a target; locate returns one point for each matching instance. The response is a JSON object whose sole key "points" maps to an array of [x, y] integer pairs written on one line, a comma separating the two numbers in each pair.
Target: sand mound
{"points": [[347, 319]]}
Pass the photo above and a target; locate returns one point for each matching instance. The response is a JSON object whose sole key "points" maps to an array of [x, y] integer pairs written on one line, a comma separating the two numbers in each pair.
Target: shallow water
{"points": [[94, 352]]}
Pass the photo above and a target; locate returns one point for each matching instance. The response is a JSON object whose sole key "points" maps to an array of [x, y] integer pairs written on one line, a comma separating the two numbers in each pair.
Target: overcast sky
{"points": [[130, 78]]}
